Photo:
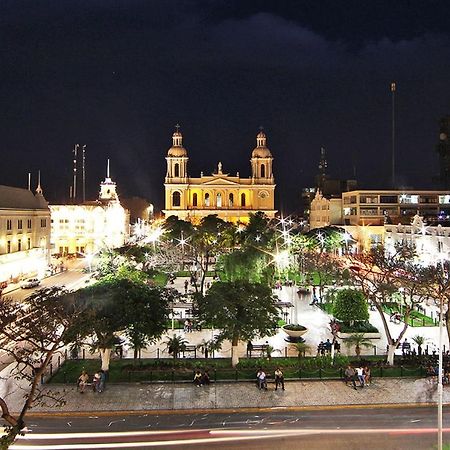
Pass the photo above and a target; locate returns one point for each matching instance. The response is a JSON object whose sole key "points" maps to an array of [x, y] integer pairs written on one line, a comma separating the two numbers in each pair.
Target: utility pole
{"points": [[75, 158], [393, 89]]}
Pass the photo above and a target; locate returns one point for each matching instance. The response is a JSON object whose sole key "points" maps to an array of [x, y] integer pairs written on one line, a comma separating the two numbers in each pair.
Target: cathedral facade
{"points": [[232, 198]]}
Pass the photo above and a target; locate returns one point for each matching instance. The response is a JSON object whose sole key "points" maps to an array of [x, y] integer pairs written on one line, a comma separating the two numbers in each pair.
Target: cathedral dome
{"points": [[261, 150], [177, 150]]}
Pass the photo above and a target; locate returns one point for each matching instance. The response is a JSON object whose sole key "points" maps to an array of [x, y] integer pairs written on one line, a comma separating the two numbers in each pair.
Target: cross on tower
{"points": [[177, 127]]}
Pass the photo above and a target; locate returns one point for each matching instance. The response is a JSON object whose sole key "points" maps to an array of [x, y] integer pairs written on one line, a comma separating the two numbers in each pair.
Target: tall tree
{"points": [[31, 333], [379, 275], [122, 305], [241, 310]]}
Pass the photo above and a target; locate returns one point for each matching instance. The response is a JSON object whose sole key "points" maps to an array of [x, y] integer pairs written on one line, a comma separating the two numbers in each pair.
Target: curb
{"points": [[154, 412]]}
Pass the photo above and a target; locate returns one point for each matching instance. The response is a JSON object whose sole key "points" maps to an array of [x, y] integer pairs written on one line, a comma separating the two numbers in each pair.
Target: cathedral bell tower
{"points": [[261, 161], [177, 158]]}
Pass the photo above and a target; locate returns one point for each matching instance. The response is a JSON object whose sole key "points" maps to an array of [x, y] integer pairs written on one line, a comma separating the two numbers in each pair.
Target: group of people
{"points": [[362, 375], [261, 379], [188, 326], [98, 381], [324, 348], [201, 378]]}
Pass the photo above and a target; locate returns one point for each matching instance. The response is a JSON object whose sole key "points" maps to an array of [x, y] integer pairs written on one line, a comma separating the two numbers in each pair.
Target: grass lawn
{"points": [[327, 307], [416, 318], [159, 279]]}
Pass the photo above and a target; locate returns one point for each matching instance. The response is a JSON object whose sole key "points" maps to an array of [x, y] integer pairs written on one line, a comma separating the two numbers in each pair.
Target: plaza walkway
{"points": [[167, 396]]}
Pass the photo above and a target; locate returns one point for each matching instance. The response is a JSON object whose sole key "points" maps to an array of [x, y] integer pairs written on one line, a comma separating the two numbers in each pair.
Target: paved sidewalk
{"points": [[141, 397]]}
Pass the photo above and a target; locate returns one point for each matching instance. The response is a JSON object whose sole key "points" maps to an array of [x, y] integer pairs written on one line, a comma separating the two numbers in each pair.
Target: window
{"points": [[29, 224], [231, 199], [19, 224], [388, 199], [428, 199], [368, 212], [43, 223], [219, 200], [408, 198], [368, 199], [176, 199], [19, 245], [263, 171], [8, 247], [242, 199], [177, 170], [29, 243], [194, 199], [9, 224], [206, 199]]}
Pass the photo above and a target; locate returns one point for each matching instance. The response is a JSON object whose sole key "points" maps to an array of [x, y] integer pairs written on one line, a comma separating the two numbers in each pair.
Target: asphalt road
{"points": [[406, 428], [74, 278]]}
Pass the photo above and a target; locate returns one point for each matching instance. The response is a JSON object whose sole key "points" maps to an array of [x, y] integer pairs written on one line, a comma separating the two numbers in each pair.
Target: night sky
{"points": [[118, 75]]}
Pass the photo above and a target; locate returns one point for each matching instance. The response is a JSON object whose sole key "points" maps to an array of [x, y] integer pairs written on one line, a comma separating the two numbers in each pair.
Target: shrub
{"points": [[358, 327], [294, 327], [350, 306]]}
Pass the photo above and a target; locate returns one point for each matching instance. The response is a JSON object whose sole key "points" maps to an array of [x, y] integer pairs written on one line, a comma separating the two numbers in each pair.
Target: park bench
{"points": [[190, 349], [258, 350]]}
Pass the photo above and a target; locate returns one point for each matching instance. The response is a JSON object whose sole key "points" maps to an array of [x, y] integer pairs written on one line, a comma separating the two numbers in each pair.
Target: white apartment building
{"points": [[364, 213]]}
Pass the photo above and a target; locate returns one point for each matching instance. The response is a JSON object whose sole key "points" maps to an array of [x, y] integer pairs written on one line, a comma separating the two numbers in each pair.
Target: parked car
{"points": [[29, 283]]}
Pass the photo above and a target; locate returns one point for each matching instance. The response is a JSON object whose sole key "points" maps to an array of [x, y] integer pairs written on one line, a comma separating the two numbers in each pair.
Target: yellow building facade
{"points": [[24, 234], [232, 198]]}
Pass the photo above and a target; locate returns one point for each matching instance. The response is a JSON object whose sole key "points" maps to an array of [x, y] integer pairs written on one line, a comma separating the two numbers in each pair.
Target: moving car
{"points": [[29, 283]]}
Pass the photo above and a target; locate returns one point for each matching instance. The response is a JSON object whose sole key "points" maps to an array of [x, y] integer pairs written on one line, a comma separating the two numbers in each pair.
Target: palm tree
{"points": [[302, 349], [175, 345], [208, 347], [419, 340], [358, 340], [270, 350]]}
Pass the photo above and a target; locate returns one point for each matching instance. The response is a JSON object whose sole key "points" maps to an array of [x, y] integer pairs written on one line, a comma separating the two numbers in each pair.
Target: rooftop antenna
{"points": [[75, 152], [107, 169], [39, 189], [29, 181], [393, 89], [84, 173]]}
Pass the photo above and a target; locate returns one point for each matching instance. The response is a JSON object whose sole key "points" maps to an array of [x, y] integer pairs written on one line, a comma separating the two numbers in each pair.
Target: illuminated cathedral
{"points": [[232, 198]]}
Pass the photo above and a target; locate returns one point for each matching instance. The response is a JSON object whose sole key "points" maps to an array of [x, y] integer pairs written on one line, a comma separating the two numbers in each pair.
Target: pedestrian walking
{"points": [[102, 382], [186, 285], [279, 379]]}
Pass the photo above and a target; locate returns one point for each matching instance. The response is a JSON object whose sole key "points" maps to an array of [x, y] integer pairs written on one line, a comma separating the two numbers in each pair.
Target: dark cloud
{"points": [[119, 76]]}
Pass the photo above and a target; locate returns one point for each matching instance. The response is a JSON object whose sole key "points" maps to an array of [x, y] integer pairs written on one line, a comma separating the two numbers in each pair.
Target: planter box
{"points": [[341, 335], [294, 334]]}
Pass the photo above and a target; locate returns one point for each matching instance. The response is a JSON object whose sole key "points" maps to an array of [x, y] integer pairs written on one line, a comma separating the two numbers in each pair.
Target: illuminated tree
{"points": [[350, 305], [380, 275]]}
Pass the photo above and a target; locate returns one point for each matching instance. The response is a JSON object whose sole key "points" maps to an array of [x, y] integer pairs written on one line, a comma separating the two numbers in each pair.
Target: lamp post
{"points": [[440, 386]]}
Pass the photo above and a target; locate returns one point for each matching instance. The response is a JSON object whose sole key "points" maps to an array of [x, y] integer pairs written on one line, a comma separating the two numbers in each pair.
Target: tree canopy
{"points": [[242, 310]]}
